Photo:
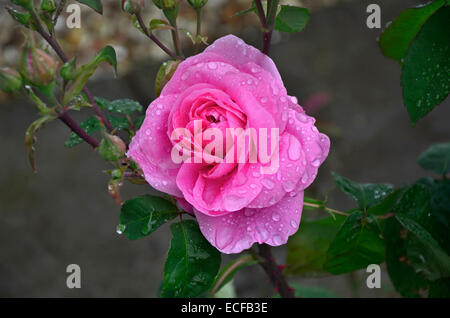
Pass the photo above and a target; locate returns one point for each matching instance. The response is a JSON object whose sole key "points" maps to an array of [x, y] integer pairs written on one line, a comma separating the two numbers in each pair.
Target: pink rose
{"points": [[232, 84]]}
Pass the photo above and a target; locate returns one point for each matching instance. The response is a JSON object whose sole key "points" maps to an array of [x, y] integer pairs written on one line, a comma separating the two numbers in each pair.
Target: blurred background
{"points": [[63, 214]]}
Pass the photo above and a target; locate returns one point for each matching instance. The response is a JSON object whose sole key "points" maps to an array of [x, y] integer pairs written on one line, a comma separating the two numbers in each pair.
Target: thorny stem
{"points": [[59, 51], [154, 39], [274, 272]]}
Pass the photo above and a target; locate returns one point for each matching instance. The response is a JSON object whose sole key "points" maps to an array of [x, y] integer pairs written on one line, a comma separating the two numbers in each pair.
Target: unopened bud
{"points": [[133, 6], [112, 148], [10, 80], [48, 6], [166, 4], [68, 70], [197, 4], [36, 66]]}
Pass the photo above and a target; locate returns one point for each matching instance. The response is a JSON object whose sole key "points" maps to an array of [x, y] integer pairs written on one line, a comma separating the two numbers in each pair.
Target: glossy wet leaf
{"points": [[119, 106], [396, 39], [425, 75], [365, 194], [142, 215], [92, 125], [192, 263], [417, 264], [357, 244], [436, 158], [93, 4], [388, 204], [291, 19], [307, 249], [425, 253], [30, 137], [107, 54]]}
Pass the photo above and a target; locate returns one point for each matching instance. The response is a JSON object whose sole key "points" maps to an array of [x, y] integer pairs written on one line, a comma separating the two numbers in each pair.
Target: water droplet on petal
{"points": [[275, 217], [293, 224], [212, 65], [269, 184], [277, 239], [316, 163], [294, 151]]}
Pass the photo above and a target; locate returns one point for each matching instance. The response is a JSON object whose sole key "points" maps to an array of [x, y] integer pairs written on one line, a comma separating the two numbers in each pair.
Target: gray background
{"points": [[64, 215]]}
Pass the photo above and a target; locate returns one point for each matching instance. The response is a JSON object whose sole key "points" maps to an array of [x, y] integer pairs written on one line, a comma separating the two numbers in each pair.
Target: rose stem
{"points": [[267, 22], [274, 272], [59, 51], [72, 124], [199, 29], [154, 39]]}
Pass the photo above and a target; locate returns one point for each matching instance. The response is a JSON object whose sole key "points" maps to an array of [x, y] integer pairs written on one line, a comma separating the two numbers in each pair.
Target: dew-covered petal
{"points": [[151, 147], [238, 231], [314, 144]]}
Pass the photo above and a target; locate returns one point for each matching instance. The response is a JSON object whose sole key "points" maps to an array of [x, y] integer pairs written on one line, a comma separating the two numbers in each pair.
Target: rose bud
{"points": [[48, 6], [36, 66], [10, 80], [197, 4], [166, 4], [132, 6]]}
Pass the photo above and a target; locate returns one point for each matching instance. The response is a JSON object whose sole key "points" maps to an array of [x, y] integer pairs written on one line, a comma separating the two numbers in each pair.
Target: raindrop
{"points": [[294, 151], [269, 184], [212, 65], [277, 239], [316, 163], [276, 217]]}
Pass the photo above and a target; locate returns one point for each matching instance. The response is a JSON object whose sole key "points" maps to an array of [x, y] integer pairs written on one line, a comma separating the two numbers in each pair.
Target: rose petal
{"points": [[237, 231]]}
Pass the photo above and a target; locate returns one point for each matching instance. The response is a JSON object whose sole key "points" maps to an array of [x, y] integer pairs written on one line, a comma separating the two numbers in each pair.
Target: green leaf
{"points": [[357, 244], [111, 147], [192, 263], [416, 262], [164, 75], [120, 106], [425, 78], [93, 4], [365, 194], [142, 215], [303, 291], [291, 19], [436, 158], [30, 136], [92, 125], [396, 39], [307, 249], [403, 276], [427, 257], [138, 122], [107, 54], [156, 24], [23, 18], [227, 273], [388, 204]]}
